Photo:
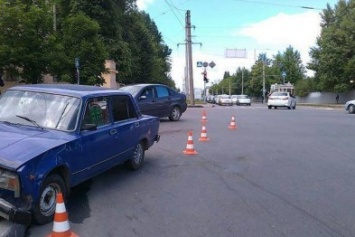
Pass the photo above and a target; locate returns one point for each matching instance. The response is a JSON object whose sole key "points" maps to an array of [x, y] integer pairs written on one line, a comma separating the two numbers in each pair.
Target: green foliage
{"points": [[333, 60], [24, 40], [265, 68], [35, 43], [304, 87]]}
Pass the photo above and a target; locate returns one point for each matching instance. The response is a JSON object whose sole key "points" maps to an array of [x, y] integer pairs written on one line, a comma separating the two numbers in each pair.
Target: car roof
{"points": [[68, 89]]}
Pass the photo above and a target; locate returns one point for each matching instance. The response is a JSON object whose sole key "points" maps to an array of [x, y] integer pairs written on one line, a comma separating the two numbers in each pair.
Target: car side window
{"points": [[122, 108], [162, 91], [148, 93], [96, 112]]}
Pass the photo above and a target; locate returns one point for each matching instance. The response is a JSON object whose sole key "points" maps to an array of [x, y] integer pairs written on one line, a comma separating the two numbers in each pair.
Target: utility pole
{"points": [[243, 81], [189, 63], [263, 78], [189, 82], [54, 18]]}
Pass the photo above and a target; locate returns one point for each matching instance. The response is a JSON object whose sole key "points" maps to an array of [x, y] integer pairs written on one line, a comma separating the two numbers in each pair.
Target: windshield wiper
{"points": [[10, 123], [29, 120]]}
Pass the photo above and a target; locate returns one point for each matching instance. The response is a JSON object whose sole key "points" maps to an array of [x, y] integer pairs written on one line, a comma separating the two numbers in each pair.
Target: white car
{"points": [[243, 100], [281, 99], [350, 106], [234, 99], [224, 100]]}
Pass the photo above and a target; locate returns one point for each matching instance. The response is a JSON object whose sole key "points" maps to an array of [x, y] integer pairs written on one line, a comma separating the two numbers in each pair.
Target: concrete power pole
{"points": [[189, 57]]}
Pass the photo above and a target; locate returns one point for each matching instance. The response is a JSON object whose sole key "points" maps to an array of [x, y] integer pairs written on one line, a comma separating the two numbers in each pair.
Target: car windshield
{"points": [[244, 97], [39, 109]]}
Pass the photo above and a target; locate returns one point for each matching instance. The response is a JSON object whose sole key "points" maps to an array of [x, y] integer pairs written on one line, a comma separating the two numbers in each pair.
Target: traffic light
{"points": [[205, 79]]}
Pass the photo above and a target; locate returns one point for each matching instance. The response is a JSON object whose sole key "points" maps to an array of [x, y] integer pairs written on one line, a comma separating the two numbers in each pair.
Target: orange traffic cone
{"points": [[61, 226], [204, 118], [190, 145], [203, 137], [232, 125]]}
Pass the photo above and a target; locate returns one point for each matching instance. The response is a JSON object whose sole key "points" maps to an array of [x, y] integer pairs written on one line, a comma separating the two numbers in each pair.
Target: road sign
{"points": [[205, 64], [212, 64], [199, 63], [77, 62]]}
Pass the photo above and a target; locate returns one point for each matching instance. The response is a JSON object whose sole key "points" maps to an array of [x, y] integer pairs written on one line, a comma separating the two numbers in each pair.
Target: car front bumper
{"points": [[13, 214]]}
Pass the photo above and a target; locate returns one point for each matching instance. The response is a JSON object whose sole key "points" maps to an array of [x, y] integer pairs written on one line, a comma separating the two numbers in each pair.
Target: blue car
{"points": [[158, 100], [53, 137]]}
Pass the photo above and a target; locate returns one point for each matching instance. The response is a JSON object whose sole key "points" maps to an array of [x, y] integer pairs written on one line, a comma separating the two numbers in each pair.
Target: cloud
{"points": [[280, 31], [275, 33], [143, 4]]}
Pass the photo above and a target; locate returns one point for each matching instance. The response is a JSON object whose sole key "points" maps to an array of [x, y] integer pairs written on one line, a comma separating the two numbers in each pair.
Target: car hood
{"points": [[19, 145]]}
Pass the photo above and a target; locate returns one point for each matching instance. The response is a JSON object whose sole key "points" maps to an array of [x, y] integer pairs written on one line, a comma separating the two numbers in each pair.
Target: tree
{"points": [[333, 59], [77, 37], [290, 64], [25, 39]]}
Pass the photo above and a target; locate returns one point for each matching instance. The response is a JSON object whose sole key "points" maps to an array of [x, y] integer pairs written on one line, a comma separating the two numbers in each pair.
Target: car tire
{"points": [[137, 158], [294, 107], [269, 106], [175, 114], [351, 109], [45, 208]]}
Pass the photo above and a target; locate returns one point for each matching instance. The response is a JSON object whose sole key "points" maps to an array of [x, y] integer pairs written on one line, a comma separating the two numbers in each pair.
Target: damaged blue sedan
{"points": [[53, 137]]}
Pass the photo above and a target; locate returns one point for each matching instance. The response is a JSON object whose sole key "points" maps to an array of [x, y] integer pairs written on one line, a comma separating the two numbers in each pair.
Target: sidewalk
{"points": [[334, 106]]}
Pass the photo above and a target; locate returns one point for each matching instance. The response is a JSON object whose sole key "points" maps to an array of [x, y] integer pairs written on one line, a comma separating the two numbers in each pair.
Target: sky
{"points": [[221, 26]]}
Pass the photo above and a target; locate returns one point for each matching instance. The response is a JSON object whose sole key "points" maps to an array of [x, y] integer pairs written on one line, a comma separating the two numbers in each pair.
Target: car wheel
{"points": [[294, 107], [351, 109], [44, 210], [288, 107], [175, 114], [137, 158], [275, 107], [269, 106]]}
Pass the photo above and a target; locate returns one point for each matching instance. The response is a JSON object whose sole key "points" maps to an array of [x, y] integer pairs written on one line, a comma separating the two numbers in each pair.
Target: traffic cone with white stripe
{"points": [[232, 125], [61, 226], [204, 118], [203, 137], [190, 145]]}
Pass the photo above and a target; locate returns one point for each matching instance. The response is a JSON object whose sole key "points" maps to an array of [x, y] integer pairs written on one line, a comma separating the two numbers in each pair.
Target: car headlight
{"points": [[10, 181]]}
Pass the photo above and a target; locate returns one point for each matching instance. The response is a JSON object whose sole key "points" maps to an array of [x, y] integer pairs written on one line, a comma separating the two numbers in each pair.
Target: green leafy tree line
{"points": [[332, 59], [250, 82], [45, 36]]}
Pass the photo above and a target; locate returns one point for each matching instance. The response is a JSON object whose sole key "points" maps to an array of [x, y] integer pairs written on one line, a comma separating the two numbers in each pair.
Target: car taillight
{"points": [[285, 98]]}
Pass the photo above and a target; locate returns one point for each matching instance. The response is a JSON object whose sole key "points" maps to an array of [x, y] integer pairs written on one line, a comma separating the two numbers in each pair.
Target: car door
{"points": [[163, 101], [127, 125], [97, 135], [147, 101]]}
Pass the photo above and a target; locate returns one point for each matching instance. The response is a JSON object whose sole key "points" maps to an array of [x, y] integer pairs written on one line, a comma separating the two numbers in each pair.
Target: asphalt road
{"points": [[280, 173]]}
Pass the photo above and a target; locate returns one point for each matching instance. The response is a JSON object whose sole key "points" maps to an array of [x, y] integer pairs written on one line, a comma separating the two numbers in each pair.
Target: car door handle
{"points": [[113, 131]]}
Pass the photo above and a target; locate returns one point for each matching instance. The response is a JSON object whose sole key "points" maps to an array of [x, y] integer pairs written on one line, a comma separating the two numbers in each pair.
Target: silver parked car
{"points": [[281, 99], [224, 100], [243, 100], [350, 106]]}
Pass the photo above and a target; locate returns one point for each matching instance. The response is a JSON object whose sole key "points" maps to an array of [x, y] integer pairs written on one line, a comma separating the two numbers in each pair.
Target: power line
{"points": [[278, 4], [171, 8]]}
